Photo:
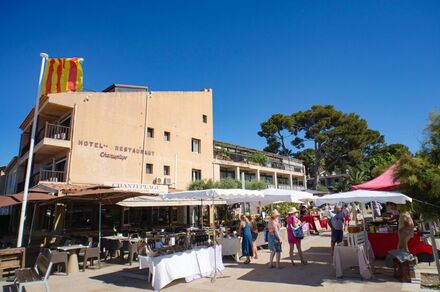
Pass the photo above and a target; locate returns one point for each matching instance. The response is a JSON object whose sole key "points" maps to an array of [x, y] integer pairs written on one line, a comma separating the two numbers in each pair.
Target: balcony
{"points": [[53, 131], [43, 176], [51, 140], [224, 154], [287, 187], [48, 176]]}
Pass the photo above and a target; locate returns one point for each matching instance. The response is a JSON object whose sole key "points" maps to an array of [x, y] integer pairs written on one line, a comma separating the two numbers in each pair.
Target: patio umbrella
{"points": [[14, 199], [98, 196]]}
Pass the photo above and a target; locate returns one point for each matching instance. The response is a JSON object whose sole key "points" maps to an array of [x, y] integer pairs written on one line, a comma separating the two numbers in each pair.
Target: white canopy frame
{"points": [[211, 195], [363, 197]]}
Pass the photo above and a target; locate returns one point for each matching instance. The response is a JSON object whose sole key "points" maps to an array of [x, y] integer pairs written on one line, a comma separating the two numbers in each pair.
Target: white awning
{"points": [[363, 196], [219, 194], [149, 201], [272, 195]]}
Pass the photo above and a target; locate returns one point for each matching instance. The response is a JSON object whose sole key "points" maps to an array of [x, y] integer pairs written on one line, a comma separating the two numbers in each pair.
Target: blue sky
{"points": [[380, 59]]}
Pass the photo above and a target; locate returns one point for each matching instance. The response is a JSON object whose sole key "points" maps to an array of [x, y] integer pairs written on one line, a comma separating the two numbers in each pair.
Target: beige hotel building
{"points": [[129, 134]]}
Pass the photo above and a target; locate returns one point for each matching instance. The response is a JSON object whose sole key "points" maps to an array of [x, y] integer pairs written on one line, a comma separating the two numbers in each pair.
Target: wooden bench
{"points": [[34, 276], [10, 260]]}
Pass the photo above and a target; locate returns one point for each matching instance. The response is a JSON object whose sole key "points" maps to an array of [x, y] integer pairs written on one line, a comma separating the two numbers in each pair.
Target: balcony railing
{"points": [[240, 157], [54, 132], [286, 187], [43, 176], [48, 131], [48, 176]]}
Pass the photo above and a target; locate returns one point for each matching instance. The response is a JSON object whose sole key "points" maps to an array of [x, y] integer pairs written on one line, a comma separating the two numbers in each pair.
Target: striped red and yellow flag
{"points": [[62, 74]]}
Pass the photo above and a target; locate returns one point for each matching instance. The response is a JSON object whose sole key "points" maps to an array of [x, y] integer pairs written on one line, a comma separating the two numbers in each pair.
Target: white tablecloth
{"points": [[191, 265], [346, 256], [231, 247]]}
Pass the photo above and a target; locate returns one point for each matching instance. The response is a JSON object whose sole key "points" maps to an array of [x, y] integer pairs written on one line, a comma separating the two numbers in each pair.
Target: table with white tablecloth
{"points": [[230, 246], [192, 264], [346, 256]]}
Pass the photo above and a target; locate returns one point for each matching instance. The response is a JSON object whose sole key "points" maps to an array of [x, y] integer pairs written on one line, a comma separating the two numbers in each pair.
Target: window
{"points": [[166, 170], [205, 118], [196, 174], [149, 168], [195, 145], [150, 132], [166, 136]]}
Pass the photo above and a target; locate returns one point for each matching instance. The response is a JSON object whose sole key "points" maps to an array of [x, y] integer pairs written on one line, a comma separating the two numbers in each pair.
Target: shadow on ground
{"points": [[137, 278]]}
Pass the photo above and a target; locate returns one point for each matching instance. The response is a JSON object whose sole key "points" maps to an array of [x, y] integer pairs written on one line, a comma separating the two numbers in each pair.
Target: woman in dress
{"points": [[293, 222], [246, 243], [254, 230], [274, 239]]}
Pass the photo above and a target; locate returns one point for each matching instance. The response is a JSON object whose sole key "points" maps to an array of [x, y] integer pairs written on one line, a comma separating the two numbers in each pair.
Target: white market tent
{"points": [[211, 195], [272, 195], [279, 195], [363, 196], [149, 201], [214, 194]]}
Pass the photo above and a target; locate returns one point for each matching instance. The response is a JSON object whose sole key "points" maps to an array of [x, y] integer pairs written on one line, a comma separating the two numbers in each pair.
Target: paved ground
{"points": [[317, 275]]}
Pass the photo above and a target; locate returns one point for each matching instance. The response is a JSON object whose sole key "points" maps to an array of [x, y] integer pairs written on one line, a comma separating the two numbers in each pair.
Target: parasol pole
{"points": [[99, 224], [215, 243], [44, 58], [32, 224]]}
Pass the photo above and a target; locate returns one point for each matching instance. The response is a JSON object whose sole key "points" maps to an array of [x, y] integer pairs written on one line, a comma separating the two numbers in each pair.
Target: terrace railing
{"points": [[53, 131]]}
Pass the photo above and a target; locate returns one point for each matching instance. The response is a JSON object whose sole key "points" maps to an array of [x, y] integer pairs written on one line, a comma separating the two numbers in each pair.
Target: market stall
{"points": [[211, 195], [190, 264], [360, 234]]}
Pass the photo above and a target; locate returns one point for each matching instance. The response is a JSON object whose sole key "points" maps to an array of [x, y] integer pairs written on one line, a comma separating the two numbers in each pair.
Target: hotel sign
{"points": [[122, 152], [141, 188]]}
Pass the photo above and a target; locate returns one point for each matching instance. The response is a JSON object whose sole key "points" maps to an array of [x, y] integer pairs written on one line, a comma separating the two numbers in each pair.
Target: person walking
{"points": [[274, 239], [246, 242], [337, 226], [292, 223], [254, 230]]}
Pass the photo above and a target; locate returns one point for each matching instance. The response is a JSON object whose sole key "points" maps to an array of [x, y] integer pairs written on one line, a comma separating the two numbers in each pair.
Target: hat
{"points": [[275, 213], [292, 210]]}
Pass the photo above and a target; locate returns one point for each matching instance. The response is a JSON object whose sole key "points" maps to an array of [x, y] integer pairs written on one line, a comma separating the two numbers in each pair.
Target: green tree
{"points": [[307, 156], [420, 179], [255, 185], [257, 157], [338, 140], [276, 132], [381, 157], [431, 145]]}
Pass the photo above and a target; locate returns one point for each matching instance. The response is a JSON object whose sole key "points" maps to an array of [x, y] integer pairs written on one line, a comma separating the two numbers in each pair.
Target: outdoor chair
{"points": [[57, 258], [130, 248], [90, 253], [33, 276], [111, 247]]}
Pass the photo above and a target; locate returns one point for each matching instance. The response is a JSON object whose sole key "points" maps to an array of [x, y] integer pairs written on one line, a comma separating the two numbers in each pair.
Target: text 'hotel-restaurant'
{"points": [[132, 138]]}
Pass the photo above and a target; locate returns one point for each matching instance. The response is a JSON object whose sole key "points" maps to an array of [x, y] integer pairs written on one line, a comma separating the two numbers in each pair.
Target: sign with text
{"points": [[141, 188], [122, 152]]}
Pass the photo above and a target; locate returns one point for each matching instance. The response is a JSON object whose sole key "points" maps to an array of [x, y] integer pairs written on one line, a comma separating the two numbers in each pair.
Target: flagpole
{"points": [[44, 58]]}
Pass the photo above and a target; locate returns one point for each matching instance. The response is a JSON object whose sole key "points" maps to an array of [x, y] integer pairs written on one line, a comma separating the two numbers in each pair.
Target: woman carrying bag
{"points": [[294, 235]]}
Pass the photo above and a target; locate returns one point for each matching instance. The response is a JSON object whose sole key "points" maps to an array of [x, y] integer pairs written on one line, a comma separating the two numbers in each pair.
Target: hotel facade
{"points": [[131, 136]]}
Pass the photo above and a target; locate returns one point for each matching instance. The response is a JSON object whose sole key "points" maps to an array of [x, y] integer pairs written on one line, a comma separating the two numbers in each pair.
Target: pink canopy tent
{"points": [[384, 182]]}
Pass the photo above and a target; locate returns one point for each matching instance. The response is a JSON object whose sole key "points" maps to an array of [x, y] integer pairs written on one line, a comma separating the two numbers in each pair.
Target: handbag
{"points": [[298, 232]]}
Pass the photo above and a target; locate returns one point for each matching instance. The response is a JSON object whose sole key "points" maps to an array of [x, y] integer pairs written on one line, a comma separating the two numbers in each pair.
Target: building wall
{"points": [[180, 114], [109, 141]]}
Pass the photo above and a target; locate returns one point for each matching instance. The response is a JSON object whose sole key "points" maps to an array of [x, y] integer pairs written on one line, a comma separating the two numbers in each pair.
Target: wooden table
{"points": [[72, 262]]}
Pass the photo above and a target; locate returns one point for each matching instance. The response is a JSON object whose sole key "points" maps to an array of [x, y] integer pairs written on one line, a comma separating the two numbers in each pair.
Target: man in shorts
{"points": [[337, 226]]}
